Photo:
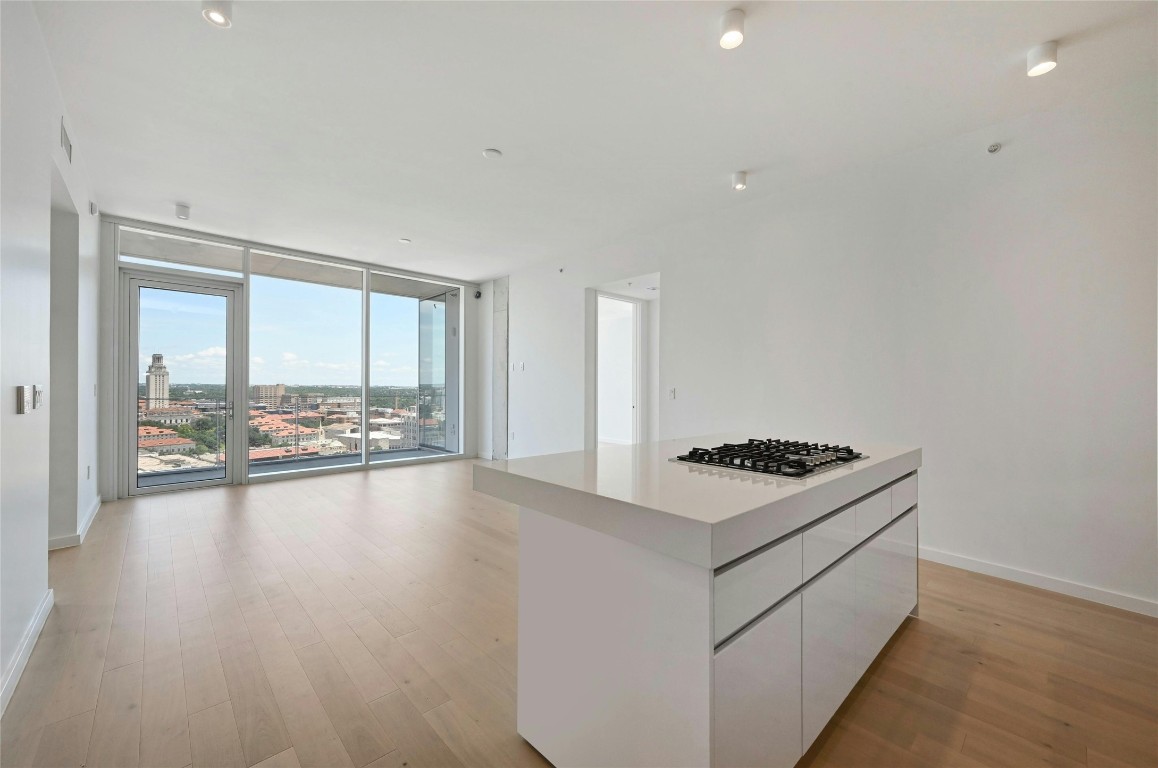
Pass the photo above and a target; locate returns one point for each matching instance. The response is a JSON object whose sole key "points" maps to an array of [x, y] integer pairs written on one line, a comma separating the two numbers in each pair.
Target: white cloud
{"points": [[205, 354], [258, 360], [291, 360]]}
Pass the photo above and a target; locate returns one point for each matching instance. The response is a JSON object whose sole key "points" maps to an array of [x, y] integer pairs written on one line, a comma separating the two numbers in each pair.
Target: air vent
{"points": [[65, 142]]}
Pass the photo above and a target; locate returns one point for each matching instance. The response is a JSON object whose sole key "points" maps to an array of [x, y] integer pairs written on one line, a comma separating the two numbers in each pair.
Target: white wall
{"points": [[73, 498], [998, 311], [31, 110], [547, 316]]}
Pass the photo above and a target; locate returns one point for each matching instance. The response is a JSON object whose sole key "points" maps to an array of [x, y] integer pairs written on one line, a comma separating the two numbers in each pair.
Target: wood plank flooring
{"points": [[369, 619]]}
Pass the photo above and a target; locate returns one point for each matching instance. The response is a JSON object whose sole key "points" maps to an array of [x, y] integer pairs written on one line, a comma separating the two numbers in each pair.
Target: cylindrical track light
{"points": [[219, 13], [740, 180], [182, 211], [732, 29], [1041, 59]]}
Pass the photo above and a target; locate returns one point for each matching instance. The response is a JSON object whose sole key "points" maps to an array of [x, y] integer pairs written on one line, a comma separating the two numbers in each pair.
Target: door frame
{"points": [[641, 387], [236, 372]]}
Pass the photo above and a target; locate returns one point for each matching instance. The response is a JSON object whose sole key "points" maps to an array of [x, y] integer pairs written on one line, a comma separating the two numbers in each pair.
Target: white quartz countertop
{"points": [[702, 515]]}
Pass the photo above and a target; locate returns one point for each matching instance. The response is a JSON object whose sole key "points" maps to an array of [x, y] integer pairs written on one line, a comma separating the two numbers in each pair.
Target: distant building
{"points": [[379, 441], [283, 431], [163, 441], [149, 434], [157, 384], [268, 394], [169, 416], [409, 429], [170, 445], [273, 454]]}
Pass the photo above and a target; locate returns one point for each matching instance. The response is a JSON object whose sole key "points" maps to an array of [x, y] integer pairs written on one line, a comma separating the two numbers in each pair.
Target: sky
{"points": [[300, 333]]}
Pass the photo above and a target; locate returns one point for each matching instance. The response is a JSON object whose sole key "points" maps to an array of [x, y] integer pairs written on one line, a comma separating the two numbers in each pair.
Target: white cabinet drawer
{"points": [[744, 591], [824, 544], [756, 722], [873, 513], [904, 495]]}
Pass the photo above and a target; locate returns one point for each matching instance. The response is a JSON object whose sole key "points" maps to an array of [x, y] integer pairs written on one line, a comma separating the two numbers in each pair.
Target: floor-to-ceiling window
{"points": [[393, 395], [329, 363], [305, 363]]}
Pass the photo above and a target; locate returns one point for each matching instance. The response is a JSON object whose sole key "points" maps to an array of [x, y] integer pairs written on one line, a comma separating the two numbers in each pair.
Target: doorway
{"points": [[618, 369], [182, 384]]}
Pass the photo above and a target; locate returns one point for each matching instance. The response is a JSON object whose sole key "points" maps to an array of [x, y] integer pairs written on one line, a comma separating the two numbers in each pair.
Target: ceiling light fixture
{"points": [[1041, 59], [492, 154], [405, 240], [732, 29], [740, 180], [219, 13], [183, 211]]}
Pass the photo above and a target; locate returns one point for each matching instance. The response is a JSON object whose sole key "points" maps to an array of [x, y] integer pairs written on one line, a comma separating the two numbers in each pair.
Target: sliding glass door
{"points": [[182, 392]]}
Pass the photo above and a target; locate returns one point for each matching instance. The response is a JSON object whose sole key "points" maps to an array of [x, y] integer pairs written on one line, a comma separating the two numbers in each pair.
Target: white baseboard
{"points": [[60, 542], [1073, 589], [24, 650]]}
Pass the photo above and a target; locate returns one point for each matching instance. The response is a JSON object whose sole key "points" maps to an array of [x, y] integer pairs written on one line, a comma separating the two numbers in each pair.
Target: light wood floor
{"points": [[369, 619]]}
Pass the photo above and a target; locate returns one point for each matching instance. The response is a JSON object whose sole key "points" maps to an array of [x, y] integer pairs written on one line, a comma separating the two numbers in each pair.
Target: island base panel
{"points": [[615, 649]]}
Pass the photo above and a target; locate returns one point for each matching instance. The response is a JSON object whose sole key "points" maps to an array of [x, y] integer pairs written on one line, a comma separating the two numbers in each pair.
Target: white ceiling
{"points": [[339, 127]]}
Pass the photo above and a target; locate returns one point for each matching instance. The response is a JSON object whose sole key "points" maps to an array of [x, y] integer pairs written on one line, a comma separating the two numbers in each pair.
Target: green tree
{"points": [[258, 439]]}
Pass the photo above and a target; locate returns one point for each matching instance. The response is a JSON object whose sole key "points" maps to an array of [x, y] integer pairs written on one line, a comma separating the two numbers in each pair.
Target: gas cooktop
{"points": [[784, 458]]}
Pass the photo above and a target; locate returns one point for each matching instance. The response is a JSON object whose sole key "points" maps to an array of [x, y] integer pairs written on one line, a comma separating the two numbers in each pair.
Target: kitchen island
{"points": [[675, 614]]}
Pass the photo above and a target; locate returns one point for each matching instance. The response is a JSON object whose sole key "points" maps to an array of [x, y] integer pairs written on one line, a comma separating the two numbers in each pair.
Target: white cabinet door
{"points": [[757, 694], [829, 646], [886, 587], [901, 542], [873, 601]]}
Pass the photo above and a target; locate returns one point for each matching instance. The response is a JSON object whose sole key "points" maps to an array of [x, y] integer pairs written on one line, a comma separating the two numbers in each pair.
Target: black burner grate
{"points": [[786, 458]]}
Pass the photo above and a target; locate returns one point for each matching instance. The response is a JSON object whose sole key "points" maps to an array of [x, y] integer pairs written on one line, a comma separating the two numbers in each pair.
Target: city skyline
{"points": [[292, 338]]}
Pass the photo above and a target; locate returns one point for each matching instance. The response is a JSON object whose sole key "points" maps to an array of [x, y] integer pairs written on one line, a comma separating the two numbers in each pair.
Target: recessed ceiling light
{"points": [[732, 29], [740, 180], [219, 13], [1041, 59], [405, 240], [492, 154], [183, 211]]}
